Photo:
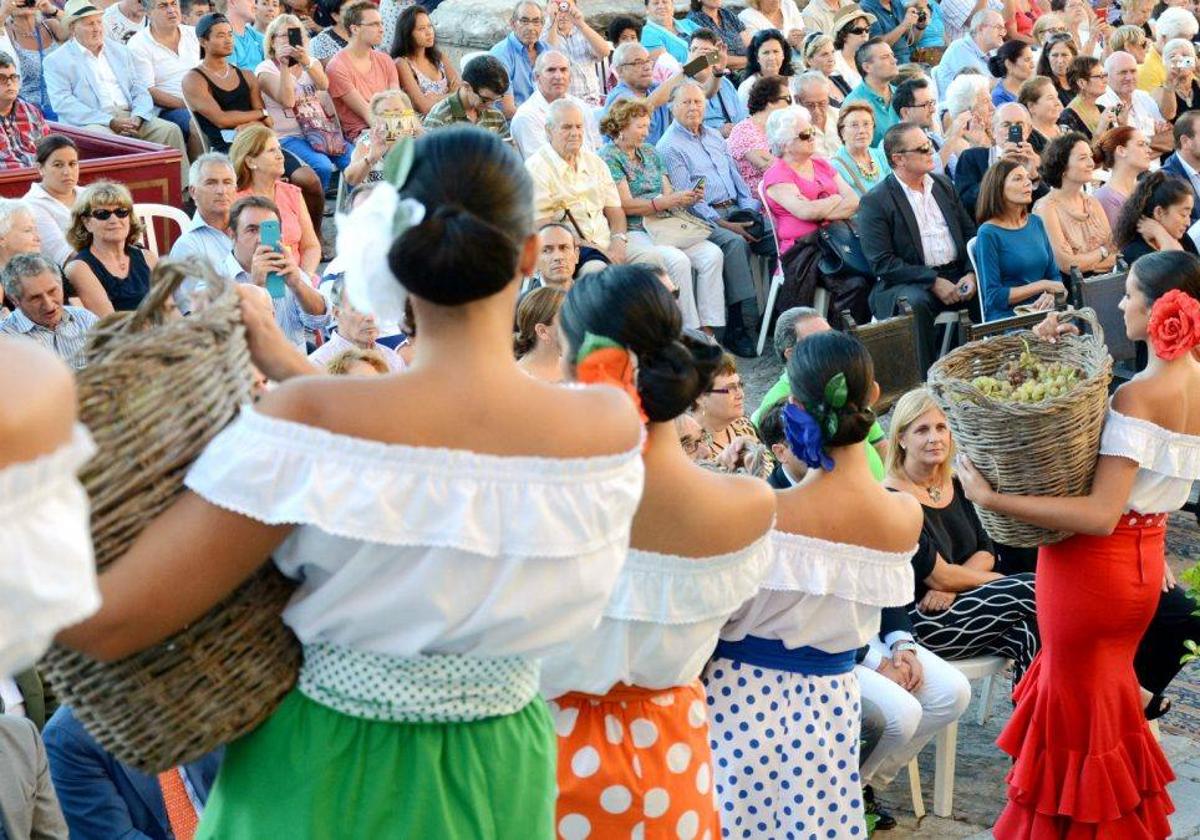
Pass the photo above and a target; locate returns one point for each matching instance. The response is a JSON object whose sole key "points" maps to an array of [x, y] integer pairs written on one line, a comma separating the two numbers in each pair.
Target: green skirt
{"points": [[312, 772]]}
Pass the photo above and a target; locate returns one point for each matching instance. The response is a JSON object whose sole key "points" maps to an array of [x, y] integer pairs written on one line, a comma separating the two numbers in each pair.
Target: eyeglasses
{"points": [[524, 21], [1101, 77], [105, 215], [805, 134], [10, 79], [916, 150], [925, 106], [641, 62], [812, 104], [728, 389]]}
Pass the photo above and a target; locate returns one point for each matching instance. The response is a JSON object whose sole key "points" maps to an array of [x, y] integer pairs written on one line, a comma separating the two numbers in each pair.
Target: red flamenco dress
{"points": [[1086, 765]]}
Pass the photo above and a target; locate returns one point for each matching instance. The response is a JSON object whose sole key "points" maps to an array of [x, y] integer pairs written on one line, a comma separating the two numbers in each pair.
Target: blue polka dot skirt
{"points": [[785, 752]]}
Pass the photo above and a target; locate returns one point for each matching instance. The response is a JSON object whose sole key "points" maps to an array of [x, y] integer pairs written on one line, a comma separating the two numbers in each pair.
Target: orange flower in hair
{"points": [[601, 360], [1174, 327]]}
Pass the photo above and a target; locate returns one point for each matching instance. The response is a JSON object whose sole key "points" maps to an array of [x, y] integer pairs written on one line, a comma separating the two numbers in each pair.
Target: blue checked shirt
{"points": [[689, 156], [66, 340]]}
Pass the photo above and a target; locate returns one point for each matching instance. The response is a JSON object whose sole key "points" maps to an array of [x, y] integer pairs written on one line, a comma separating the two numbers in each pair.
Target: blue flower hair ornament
{"points": [[807, 427]]}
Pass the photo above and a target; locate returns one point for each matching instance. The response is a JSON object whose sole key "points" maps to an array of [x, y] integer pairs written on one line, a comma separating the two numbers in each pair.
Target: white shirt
{"points": [[11, 699], [120, 28], [528, 126], [1169, 461], [112, 95], [846, 70], [827, 141], [936, 241], [1143, 114], [53, 220], [337, 344], [157, 65], [755, 20]]}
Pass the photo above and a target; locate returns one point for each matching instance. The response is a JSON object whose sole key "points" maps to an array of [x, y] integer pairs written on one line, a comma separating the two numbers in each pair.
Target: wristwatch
{"points": [[1104, 252], [903, 644]]}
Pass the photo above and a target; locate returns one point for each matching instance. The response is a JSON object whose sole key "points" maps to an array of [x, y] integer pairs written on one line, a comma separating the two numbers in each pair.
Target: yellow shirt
{"points": [[1152, 73], [585, 189]]}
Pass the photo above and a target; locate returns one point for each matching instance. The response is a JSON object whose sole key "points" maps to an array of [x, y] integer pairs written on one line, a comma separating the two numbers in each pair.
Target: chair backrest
{"points": [[467, 56], [1102, 294], [978, 279], [893, 347], [147, 213], [773, 225], [969, 331], [204, 144]]}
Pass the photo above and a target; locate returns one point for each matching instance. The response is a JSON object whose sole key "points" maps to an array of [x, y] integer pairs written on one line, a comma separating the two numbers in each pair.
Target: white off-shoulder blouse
{"points": [[1168, 461]]}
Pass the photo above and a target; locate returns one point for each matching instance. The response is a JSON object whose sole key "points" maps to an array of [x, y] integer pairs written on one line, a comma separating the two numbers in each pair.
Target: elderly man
{"points": [[725, 108], [23, 121], [974, 162], [1137, 108], [958, 14], [914, 232], [552, 74], [355, 329], [518, 52], [635, 69], [34, 284], [213, 187], [567, 30], [92, 84], [1175, 22], [985, 33], [484, 83], [162, 53], [877, 64], [693, 153], [558, 256], [124, 19], [810, 90]]}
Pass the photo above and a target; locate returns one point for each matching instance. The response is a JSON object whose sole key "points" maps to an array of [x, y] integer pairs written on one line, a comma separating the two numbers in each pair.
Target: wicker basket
{"points": [[1046, 448], [155, 391]]}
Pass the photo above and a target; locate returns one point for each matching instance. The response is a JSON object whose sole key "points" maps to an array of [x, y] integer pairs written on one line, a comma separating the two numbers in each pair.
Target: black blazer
{"points": [[972, 165], [777, 479], [1173, 166], [891, 241]]}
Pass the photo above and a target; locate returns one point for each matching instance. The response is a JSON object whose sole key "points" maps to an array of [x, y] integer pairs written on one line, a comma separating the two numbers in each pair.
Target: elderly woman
{"points": [[1083, 113], [1130, 39], [645, 190], [804, 192], [258, 161], [53, 197], [859, 163], [660, 34], [961, 607], [781, 15], [391, 117], [357, 362], [1055, 60], [18, 229], [292, 83], [1041, 101], [109, 271], [711, 14], [536, 343], [426, 74], [748, 141], [1075, 221], [1013, 65], [769, 55], [1126, 154], [1180, 92], [967, 120], [818, 53], [724, 426], [1156, 217]]}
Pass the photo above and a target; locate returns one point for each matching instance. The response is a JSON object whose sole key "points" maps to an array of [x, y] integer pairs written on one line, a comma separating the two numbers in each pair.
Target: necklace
{"points": [[933, 491], [223, 76], [869, 170]]}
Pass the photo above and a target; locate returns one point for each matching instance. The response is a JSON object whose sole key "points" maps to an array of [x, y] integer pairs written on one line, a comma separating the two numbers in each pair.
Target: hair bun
{"points": [[853, 426], [449, 243], [672, 378]]}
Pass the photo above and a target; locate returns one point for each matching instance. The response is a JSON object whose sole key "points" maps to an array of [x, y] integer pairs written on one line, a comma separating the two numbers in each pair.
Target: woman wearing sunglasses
{"points": [[851, 29], [109, 271]]}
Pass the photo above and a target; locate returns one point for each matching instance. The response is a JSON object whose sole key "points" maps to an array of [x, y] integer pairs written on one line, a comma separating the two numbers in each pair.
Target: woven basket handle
{"points": [[1088, 316], [165, 280]]}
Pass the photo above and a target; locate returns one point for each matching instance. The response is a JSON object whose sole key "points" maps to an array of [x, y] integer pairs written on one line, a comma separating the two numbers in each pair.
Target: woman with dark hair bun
{"points": [[1013, 65], [781, 686], [1156, 217], [633, 737], [442, 557]]}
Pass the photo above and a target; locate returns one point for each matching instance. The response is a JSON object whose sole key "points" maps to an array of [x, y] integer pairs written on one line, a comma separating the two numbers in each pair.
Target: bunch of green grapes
{"points": [[1029, 380]]}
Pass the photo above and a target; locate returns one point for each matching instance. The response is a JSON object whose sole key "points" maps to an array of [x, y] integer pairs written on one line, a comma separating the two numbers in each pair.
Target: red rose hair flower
{"points": [[1174, 327]]}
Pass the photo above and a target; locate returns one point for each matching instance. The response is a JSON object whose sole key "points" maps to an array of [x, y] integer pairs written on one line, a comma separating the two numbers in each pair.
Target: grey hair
{"points": [[1111, 61], [785, 328], [196, 170], [959, 97], [1175, 22], [808, 79], [1176, 44], [7, 60], [544, 56], [557, 107], [783, 126], [621, 53], [9, 209], [980, 19], [23, 266], [684, 85], [516, 12]]}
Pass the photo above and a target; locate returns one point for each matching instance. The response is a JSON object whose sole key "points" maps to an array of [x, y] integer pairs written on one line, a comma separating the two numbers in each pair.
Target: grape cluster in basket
{"points": [[1029, 380]]}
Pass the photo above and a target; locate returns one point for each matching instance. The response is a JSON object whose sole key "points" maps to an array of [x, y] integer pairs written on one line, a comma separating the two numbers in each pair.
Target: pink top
{"points": [[290, 202], [824, 184], [744, 137], [343, 78]]}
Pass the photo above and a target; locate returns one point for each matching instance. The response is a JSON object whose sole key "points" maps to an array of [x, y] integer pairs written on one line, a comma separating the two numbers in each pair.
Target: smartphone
{"points": [[697, 65], [699, 185], [270, 235], [1016, 134]]}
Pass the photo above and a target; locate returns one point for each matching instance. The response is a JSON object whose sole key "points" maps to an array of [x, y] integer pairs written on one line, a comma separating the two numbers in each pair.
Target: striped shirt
{"points": [[291, 317], [66, 340]]}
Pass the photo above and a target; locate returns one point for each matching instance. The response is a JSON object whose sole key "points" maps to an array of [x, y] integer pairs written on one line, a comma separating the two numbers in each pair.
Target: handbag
{"points": [[320, 131], [841, 250], [676, 229]]}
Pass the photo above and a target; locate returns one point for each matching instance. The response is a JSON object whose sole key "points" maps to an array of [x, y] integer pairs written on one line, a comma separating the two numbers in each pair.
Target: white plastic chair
{"points": [[147, 213], [820, 297], [467, 56], [946, 743]]}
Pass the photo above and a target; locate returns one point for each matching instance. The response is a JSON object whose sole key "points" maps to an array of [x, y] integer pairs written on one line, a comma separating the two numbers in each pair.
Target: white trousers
{"points": [[910, 720], [702, 301]]}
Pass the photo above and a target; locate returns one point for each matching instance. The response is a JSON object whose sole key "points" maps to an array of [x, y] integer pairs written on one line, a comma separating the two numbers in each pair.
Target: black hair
{"points": [[402, 42], [1154, 190], [206, 23], [475, 226], [1057, 156], [761, 37], [1005, 54], [1043, 65], [822, 356], [326, 11], [629, 305], [703, 33], [486, 71], [841, 35], [51, 143], [763, 91], [906, 92], [770, 424], [621, 23], [893, 138], [1160, 272]]}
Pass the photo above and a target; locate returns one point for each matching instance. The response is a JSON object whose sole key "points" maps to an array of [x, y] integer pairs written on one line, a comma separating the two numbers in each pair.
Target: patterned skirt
{"points": [[634, 763]]}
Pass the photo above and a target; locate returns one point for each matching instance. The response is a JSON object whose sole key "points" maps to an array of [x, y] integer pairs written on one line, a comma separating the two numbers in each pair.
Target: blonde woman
{"points": [[358, 362], [391, 117], [109, 271], [818, 53]]}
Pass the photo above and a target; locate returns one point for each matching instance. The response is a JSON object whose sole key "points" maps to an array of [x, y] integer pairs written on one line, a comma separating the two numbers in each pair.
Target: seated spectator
{"points": [[558, 257], [265, 12], [860, 165], [1085, 29], [1130, 39], [625, 29], [213, 187], [426, 75], [31, 37], [818, 55], [720, 411], [248, 51], [536, 343], [973, 163], [635, 69], [781, 15], [109, 270], [354, 330], [123, 106], [552, 77], [53, 197], [966, 117], [1012, 251], [1013, 65], [28, 803], [819, 17], [103, 798], [1040, 99], [1172, 23], [877, 64], [392, 118], [961, 607], [163, 51], [724, 108], [896, 24], [124, 19], [518, 51], [661, 34], [1085, 113], [23, 121], [334, 37], [929, 35], [811, 90], [18, 230], [360, 70], [484, 83], [258, 161], [193, 10], [1156, 217], [357, 362], [301, 307], [789, 470], [645, 190], [914, 232], [1180, 92], [804, 192], [851, 29], [769, 55], [914, 102], [748, 141], [1125, 153], [1054, 63], [568, 31], [304, 9], [1079, 232], [711, 15], [294, 86], [691, 152], [35, 286], [985, 34], [1185, 161], [221, 104], [1137, 108]]}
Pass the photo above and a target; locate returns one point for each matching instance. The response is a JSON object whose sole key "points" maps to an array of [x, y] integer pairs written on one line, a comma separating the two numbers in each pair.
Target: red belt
{"points": [[1142, 520]]}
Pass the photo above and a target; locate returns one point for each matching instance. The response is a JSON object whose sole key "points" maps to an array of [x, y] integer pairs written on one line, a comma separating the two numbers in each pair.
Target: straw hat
{"points": [[848, 14], [79, 9]]}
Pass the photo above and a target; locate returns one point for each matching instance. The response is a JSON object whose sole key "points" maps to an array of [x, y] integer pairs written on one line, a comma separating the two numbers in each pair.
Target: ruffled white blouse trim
{"points": [[23, 485], [283, 472], [850, 572], [668, 589], [1154, 448]]}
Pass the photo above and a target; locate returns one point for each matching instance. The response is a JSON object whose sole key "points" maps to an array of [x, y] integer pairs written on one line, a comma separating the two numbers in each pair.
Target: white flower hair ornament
{"points": [[366, 233]]}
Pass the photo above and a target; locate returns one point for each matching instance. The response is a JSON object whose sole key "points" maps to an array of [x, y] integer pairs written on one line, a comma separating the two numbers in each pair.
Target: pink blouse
{"points": [[290, 202], [823, 185], [745, 137]]}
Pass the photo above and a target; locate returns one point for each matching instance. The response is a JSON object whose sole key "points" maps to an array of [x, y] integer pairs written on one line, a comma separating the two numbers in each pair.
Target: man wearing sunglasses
{"points": [[984, 34]]}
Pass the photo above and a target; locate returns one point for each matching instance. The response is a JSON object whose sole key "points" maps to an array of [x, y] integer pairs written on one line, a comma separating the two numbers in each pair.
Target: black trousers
{"points": [[926, 306]]}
